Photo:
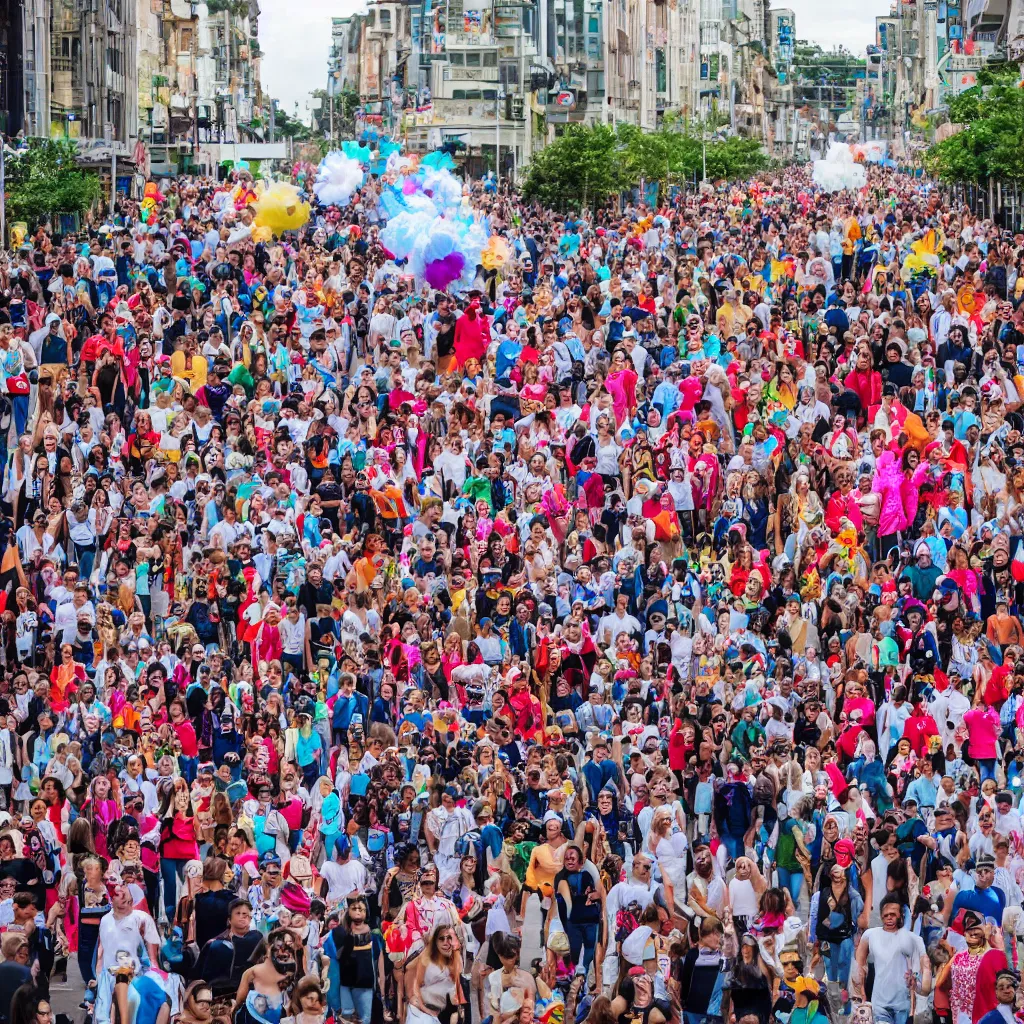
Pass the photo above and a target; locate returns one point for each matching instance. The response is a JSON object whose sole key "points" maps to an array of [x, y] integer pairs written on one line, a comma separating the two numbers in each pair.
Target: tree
{"points": [[44, 178], [992, 138], [587, 164]]}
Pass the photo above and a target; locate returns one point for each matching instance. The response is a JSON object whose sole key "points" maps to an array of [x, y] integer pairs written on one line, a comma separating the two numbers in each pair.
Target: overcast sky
{"points": [[295, 35]]}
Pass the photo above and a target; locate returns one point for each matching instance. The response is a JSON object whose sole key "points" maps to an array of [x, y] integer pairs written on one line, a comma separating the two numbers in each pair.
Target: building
{"points": [[80, 73], [495, 79]]}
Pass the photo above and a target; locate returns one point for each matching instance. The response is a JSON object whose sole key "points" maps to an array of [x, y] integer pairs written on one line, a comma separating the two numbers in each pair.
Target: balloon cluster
{"points": [[839, 171], [431, 227], [151, 199]]}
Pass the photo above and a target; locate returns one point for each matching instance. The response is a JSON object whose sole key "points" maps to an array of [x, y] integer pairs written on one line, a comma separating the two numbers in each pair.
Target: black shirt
{"points": [[211, 910]]}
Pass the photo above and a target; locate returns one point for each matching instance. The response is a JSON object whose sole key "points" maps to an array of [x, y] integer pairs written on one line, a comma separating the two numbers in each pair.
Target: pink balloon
{"points": [[409, 186], [441, 273]]}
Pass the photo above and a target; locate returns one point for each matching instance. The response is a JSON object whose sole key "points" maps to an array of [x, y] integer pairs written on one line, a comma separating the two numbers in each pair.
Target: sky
{"points": [[295, 36]]}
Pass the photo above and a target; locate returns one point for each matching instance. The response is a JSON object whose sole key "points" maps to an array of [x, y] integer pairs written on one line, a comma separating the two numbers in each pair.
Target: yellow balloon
{"points": [[262, 234], [280, 209], [496, 254]]}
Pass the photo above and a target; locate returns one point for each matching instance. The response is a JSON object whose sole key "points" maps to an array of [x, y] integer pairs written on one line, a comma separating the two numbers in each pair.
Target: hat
{"points": [[805, 983], [985, 860], [839, 783], [845, 852]]}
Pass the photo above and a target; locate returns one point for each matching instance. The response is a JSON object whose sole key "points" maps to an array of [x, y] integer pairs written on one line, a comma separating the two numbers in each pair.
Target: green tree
{"points": [[44, 178], [580, 167], [587, 164], [991, 140]]}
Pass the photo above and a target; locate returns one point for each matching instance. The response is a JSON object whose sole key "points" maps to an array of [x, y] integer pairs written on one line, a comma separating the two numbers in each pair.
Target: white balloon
{"points": [[337, 178]]}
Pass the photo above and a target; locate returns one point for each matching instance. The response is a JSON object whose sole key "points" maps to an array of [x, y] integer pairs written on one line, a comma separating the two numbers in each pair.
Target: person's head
{"points": [[506, 947], [30, 1005], [198, 1000], [15, 946], [308, 996], [1006, 988], [442, 944], [711, 933], [239, 916], [891, 912]]}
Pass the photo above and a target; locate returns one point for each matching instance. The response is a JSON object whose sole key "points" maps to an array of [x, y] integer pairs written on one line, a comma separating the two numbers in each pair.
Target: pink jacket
{"points": [[899, 495]]}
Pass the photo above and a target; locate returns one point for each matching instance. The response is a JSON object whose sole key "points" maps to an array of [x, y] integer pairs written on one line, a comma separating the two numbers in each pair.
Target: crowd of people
{"points": [[632, 637]]}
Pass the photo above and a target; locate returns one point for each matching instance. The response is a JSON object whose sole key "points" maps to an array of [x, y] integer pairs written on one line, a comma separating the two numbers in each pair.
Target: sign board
{"points": [[965, 62]]}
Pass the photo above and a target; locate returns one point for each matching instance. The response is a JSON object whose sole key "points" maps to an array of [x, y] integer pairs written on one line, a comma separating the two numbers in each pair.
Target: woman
{"points": [[101, 809], [29, 1005], [262, 992], [178, 832], [434, 981], [545, 862], [511, 991], [359, 955], [197, 1004], [751, 982], [580, 899], [308, 1005], [833, 919], [93, 904]]}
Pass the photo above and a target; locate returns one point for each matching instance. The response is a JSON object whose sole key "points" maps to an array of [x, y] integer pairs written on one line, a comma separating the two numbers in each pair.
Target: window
{"points": [[490, 94], [473, 94], [385, 20], [458, 59], [490, 59], [660, 71], [458, 94], [593, 23], [473, 59]]}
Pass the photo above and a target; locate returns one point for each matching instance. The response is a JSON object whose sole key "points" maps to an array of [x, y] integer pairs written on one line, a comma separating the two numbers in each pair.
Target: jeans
{"points": [[171, 870], [734, 844], [189, 766], [86, 558], [986, 767], [889, 1014], [88, 940], [356, 1002], [791, 880], [582, 938], [838, 961], [19, 408]]}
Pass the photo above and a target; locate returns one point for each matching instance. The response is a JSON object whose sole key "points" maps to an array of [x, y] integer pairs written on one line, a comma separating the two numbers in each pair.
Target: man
{"points": [[636, 889], [345, 877], [900, 962], [984, 899], [1006, 999], [702, 976], [267, 895], [226, 956], [121, 933]]}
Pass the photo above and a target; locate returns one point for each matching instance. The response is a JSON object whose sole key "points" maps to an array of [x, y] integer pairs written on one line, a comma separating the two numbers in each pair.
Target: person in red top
{"points": [[918, 728], [186, 734], [177, 840]]}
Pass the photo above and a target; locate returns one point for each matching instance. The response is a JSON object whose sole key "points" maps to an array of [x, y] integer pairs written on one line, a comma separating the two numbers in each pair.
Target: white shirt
{"points": [[120, 937], [343, 878]]}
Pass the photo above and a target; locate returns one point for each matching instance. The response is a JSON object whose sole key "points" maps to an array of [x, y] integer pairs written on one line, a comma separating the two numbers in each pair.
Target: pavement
{"points": [[66, 995]]}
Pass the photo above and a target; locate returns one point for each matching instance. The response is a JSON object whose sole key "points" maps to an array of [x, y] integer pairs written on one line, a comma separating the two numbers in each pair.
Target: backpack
{"points": [[627, 920]]}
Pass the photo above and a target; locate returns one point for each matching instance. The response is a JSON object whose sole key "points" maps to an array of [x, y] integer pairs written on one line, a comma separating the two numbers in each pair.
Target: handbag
{"points": [[377, 839]]}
